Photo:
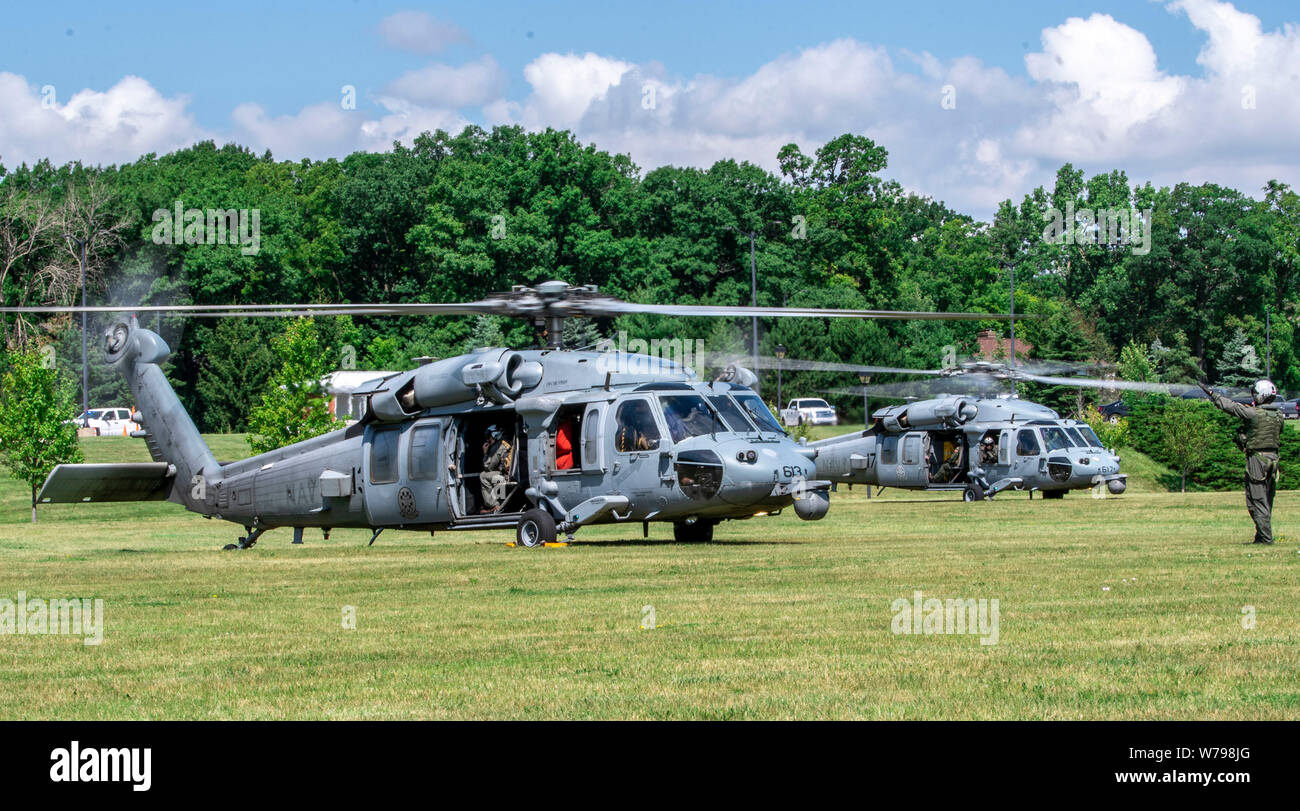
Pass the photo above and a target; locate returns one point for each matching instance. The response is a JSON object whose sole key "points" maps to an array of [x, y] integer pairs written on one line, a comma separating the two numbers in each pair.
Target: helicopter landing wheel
{"points": [[246, 542], [1053, 494], [973, 493], [536, 527], [699, 532]]}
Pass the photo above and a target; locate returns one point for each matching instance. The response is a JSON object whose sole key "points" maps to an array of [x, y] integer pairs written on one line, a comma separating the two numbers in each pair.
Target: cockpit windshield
{"points": [[1076, 439], [1090, 436], [758, 412], [731, 413], [1055, 439], [688, 415]]}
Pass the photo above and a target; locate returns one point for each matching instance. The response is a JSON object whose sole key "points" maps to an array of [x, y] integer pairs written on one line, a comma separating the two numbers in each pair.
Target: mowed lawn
{"points": [[1123, 607]]}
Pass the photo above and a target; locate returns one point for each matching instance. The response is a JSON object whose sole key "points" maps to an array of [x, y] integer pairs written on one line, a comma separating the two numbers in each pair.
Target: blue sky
{"points": [[723, 64]]}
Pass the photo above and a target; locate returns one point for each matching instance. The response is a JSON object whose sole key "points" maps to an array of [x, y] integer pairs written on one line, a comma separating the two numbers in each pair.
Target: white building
{"points": [[339, 387]]}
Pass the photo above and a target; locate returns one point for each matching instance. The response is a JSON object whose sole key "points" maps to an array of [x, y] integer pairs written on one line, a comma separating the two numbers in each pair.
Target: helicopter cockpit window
{"points": [[1026, 443], [731, 413], [1090, 436], [1055, 439], [1076, 439], [759, 413], [636, 429], [688, 415]]}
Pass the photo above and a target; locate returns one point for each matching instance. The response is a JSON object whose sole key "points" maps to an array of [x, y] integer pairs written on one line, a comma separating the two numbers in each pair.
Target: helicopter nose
{"points": [[764, 475]]}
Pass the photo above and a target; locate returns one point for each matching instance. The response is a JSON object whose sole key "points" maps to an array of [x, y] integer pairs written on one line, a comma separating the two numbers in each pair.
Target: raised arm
{"points": [[1223, 403]]}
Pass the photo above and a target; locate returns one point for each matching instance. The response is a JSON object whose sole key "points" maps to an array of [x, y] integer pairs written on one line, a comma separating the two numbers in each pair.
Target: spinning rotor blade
{"points": [[797, 365], [616, 307], [267, 310], [980, 385], [1099, 383], [548, 300]]}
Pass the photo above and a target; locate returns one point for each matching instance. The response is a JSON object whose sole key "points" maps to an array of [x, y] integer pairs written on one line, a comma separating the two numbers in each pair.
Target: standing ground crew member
{"points": [[1260, 436]]}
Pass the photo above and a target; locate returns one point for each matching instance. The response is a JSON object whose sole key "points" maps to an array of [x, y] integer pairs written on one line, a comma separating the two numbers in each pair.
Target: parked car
{"points": [[111, 421], [1114, 412], [809, 411], [1290, 409]]}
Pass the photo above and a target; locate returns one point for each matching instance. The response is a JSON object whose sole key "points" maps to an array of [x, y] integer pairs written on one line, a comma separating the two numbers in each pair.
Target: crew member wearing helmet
{"points": [[494, 481], [1260, 435]]}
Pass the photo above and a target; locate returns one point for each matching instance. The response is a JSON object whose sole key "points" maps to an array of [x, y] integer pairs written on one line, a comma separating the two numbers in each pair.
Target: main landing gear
{"points": [[248, 540], [536, 528]]}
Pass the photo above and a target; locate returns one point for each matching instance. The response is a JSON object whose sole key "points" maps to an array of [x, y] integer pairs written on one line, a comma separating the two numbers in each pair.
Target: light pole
{"points": [[866, 410], [753, 294], [85, 368], [780, 356], [753, 291], [866, 402]]}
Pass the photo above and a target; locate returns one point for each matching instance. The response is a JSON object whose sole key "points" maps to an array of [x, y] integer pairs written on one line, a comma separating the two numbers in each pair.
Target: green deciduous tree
{"points": [[33, 435], [1187, 433], [294, 406]]}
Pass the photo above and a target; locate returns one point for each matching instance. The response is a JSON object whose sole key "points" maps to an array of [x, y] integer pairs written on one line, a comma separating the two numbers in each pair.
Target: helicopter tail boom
{"points": [[172, 437]]}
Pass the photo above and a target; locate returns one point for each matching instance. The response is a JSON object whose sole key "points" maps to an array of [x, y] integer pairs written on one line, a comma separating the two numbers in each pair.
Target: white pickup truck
{"points": [[113, 421], [809, 411]]}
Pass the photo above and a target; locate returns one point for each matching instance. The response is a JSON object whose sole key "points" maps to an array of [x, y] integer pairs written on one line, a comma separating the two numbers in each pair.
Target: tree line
{"points": [[1171, 283]]}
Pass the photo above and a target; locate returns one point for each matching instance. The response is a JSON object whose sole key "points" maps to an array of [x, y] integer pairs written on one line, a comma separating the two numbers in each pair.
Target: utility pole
{"points": [[1268, 343], [780, 356]]}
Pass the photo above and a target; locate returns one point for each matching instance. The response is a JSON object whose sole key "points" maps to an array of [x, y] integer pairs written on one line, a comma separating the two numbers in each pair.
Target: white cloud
{"points": [[566, 85], [120, 124], [420, 33], [470, 85], [1093, 95]]}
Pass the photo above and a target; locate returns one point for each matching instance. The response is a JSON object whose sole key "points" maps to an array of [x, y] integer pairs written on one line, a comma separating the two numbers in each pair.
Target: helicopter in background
{"points": [[977, 445], [544, 441]]}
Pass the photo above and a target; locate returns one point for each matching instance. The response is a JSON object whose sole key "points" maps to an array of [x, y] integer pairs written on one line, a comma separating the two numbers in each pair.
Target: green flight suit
{"points": [[1261, 435]]}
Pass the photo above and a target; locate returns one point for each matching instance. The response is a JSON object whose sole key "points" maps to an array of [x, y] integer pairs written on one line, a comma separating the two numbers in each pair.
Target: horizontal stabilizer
{"points": [[139, 481]]}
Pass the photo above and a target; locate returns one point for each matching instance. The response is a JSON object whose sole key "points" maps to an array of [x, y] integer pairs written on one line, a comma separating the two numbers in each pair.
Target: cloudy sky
{"points": [[975, 105]]}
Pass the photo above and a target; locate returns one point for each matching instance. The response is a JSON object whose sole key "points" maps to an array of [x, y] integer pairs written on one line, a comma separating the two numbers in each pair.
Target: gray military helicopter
{"points": [[977, 445], [590, 437]]}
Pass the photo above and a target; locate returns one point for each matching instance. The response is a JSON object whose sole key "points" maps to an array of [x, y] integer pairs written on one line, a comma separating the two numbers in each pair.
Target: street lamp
{"points": [[85, 369], [865, 378], [780, 356]]}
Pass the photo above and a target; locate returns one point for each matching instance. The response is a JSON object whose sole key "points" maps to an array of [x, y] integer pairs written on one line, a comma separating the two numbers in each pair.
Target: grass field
{"points": [[1124, 607]]}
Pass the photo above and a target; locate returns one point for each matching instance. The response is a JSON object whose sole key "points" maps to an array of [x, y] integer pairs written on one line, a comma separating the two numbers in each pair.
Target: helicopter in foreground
{"points": [[544, 441]]}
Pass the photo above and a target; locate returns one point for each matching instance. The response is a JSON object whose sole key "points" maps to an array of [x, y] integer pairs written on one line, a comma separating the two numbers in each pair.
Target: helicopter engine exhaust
{"points": [[948, 413], [496, 375]]}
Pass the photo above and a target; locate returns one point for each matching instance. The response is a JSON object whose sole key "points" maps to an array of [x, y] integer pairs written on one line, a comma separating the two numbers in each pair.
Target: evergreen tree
{"points": [[1241, 365]]}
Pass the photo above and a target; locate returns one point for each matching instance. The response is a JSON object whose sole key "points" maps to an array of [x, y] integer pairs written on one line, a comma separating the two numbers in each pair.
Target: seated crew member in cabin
{"points": [[564, 444], [950, 467], [988, 451], [494, 480]]}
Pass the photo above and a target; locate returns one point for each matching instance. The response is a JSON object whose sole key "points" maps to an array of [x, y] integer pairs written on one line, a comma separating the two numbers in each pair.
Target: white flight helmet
{"points": [[1264, 391]]}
